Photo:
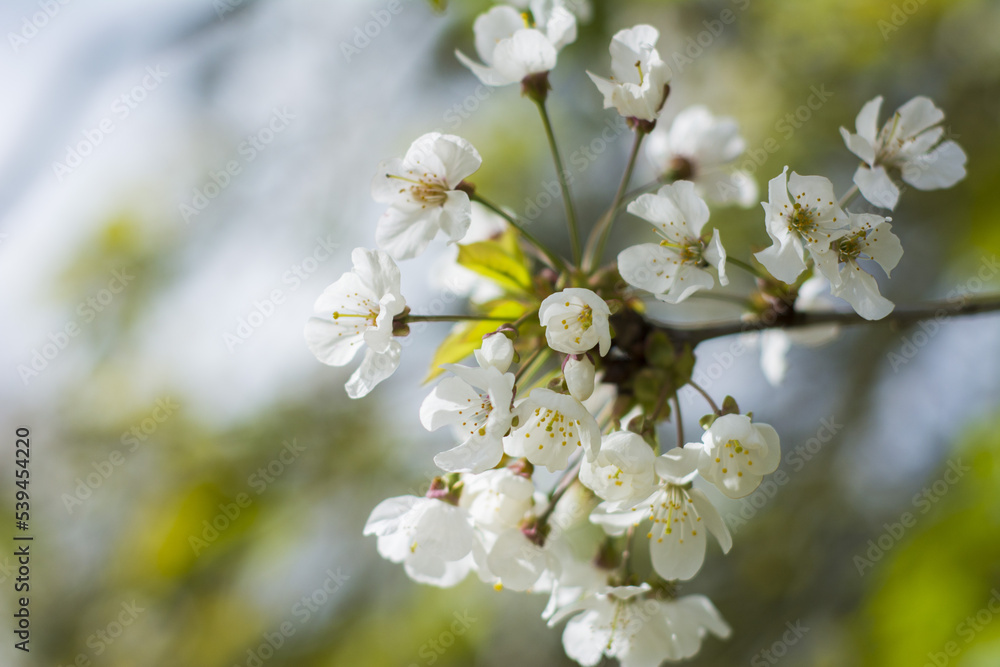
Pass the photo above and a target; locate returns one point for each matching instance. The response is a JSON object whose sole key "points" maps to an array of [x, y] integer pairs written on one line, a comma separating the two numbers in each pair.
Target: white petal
{"points": [[330, 343], [860, 290], [373, 369], [499, 23], [689, 280], [497, 350], [527, 52], [867, 122], [916, 116], [884, 247], [386, 516], [488, 75], [783, 261], [712, 520], [941, 168], [876, 186], [475, 455], [649, 266]]}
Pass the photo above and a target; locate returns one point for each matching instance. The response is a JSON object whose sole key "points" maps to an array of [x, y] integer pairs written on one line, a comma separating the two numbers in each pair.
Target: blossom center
{"points": [[428, 190], [802, 220], [672, 510], [479, 416]]}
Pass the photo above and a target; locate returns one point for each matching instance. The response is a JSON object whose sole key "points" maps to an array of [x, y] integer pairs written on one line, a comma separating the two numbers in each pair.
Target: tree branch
{"points": [[798, 320]]}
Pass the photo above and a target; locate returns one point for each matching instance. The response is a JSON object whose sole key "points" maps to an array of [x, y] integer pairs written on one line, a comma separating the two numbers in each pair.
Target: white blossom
{"points": [[576, 320], [870, 237], [811, 220], [638, 86], [358, 309], [636, 628], [512, 48], [674, 268], [551, 427], [702, 148], [680, 518], [908, 146], [623, 470], [432, 538], [476, 402], [734, 454], [420, 191]]}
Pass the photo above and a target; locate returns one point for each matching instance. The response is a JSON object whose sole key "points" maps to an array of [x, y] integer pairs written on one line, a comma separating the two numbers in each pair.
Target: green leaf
{"points": [[729, 406], [499, 260], [468, 336]]}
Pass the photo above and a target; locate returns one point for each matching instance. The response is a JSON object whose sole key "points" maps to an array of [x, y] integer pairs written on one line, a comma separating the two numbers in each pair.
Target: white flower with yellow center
{"points": [[908, 146], [477, 404], [674, 268], [871, 238], [680, 517], [638, 86], [358, 310], [576, 320], [637, 627], [420, 191], [809, 219], [433, 538], [623, 470], [551, 427], [734, 454], [515, 45]]}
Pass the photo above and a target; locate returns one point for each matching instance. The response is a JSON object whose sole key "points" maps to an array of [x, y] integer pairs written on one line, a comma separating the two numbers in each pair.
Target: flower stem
{"points": [[797, 320], [574, 231], [523, 367], [848, 196], [454, 318], [599, 236], [679, 423], [749, 268], [696, 387], [554, 259]]}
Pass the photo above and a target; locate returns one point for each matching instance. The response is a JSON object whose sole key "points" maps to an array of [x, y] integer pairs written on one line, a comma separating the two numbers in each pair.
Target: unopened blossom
{"points": [[908, 146], [420, 189], [637, 628], [681, 517], [497, 499], [575, 321], [476, 402], [703, 148], [734, 454], [512, 47], [623, 470], [355, 311], [433, 538], [809, 219], [580, 376], [674, 268], [870, 237], [638, 85], [551, 427]]}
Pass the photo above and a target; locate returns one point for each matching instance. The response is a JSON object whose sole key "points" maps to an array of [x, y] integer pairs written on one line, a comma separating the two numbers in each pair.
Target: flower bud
{"points": [[579, 374]]}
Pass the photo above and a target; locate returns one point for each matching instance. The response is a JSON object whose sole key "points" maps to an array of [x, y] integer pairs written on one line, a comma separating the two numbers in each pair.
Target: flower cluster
{"points": [[555, 425]]}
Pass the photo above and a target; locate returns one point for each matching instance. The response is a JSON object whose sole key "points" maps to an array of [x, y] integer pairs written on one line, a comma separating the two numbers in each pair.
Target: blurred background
{"points": [[180, 180]]}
